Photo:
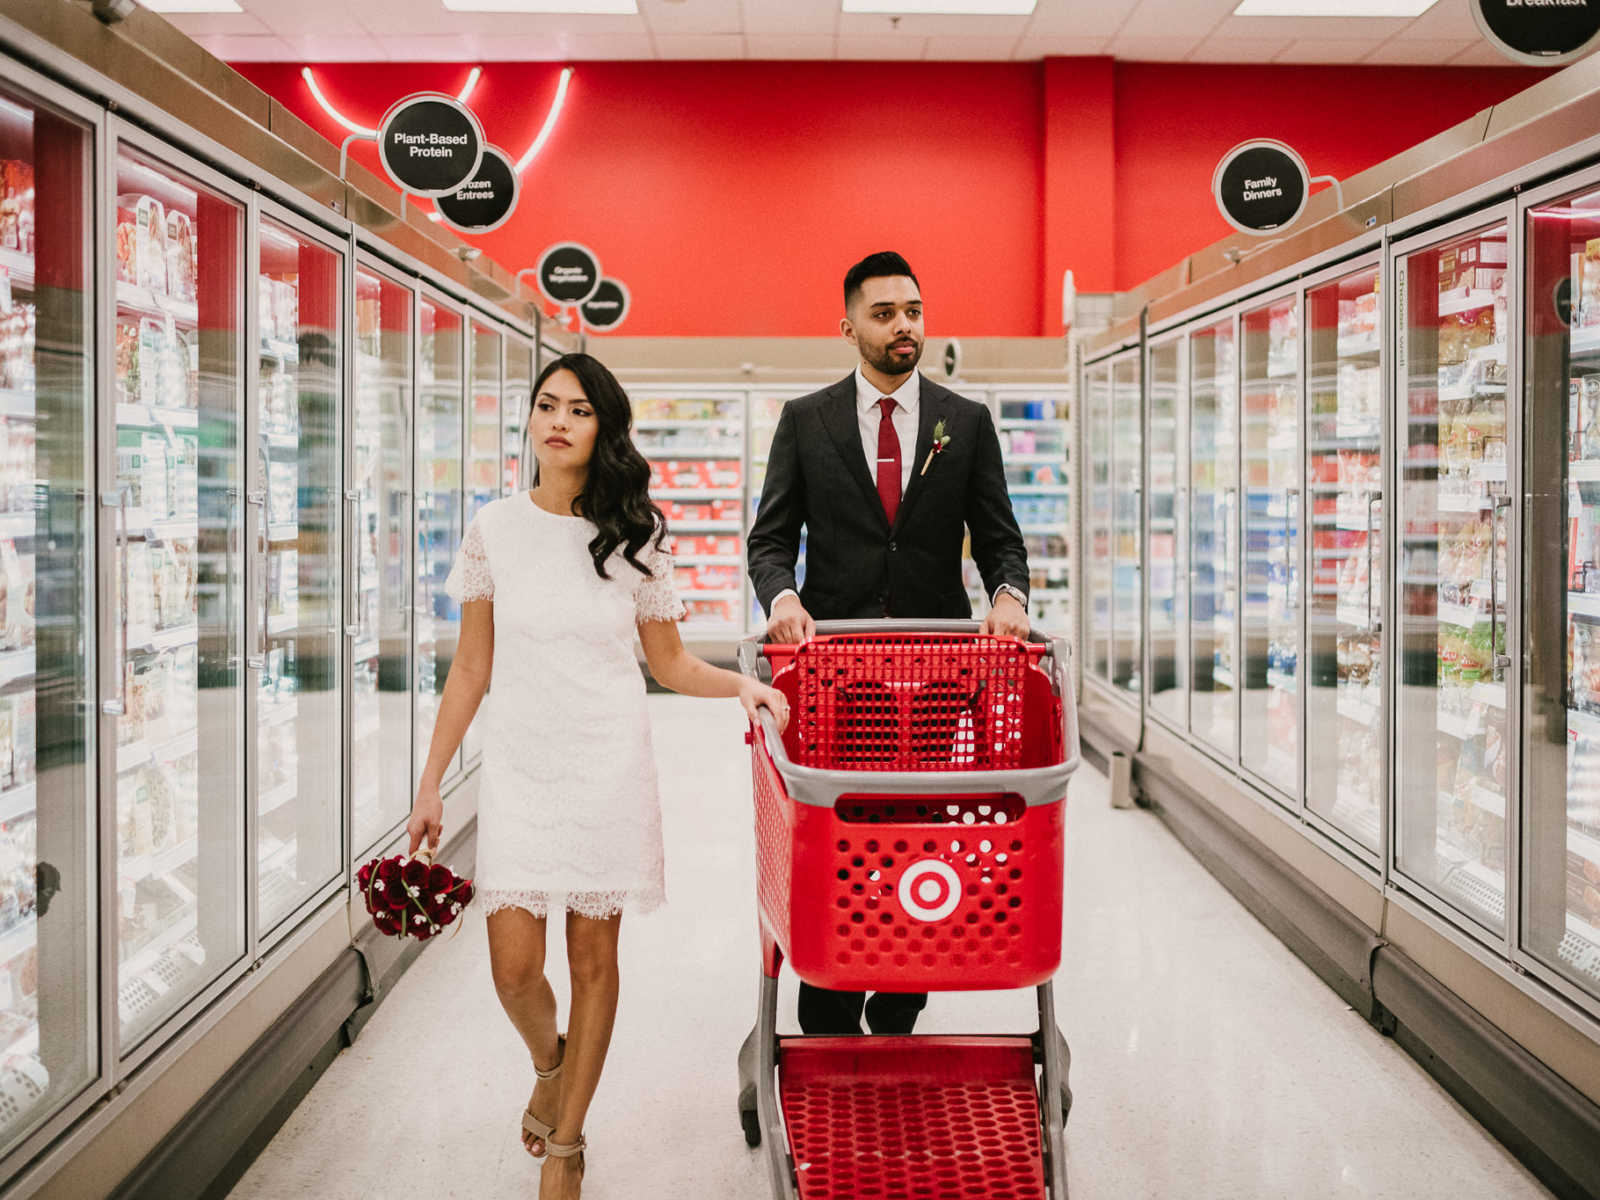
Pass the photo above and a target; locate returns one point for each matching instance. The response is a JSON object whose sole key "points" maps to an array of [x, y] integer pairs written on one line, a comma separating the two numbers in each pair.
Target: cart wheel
{"points": [[752, 1127], [1066, 1103]]}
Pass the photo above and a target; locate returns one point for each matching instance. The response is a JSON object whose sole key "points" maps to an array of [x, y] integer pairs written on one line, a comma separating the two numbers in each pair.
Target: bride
{"points": [[553, 583]]}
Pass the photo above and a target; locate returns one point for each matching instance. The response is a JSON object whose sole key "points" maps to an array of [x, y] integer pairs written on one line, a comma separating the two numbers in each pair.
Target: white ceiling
{"points": [[1149, 30]]}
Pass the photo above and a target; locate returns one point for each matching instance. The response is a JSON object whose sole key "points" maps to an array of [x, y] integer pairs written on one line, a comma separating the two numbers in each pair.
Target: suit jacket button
{"points": [[891, 545]]}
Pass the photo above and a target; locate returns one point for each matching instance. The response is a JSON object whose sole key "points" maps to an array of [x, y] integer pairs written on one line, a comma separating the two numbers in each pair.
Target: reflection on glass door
{"points": [[1561, 830], [485, 464], [1168, 579], [439, 496], [1455, 513], [295, 615], [1344, 479], [1097, 521], [1213, 506], [380, 699], [49, 1042], [516, 401], [1270, 700], [179, 610], [1127, 500]]}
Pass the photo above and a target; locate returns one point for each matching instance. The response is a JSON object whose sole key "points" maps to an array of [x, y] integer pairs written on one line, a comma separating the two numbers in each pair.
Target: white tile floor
{"points": [[1208, 1062]]}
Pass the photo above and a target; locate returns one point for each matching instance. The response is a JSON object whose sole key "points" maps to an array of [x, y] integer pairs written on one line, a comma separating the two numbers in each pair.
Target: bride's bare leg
{"points": [[592, 958], [516, 959]]}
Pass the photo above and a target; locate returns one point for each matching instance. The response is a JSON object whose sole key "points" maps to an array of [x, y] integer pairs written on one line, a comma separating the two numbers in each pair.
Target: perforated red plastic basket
{"points": [[909, 824]]}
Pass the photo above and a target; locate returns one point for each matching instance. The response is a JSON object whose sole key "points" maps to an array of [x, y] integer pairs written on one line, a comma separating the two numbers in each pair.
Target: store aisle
{"points": [[1207, 1060]]}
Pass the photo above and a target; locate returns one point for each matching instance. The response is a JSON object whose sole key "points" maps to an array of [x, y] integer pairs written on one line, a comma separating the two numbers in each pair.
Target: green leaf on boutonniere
{"points": [[941, 439]]}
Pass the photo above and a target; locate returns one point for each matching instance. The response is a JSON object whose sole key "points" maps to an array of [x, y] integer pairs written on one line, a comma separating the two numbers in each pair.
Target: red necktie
{"points": [[888, 460]]}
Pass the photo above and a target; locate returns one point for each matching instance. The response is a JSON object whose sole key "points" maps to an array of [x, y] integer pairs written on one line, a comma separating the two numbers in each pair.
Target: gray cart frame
{"points": [[758, 1056]]}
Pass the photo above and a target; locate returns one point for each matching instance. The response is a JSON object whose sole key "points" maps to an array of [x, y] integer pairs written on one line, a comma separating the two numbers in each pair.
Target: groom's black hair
{"points": [[875, 266]]}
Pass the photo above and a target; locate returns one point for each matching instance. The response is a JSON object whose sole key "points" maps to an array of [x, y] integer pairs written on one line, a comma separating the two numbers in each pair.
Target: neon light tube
{"points": [[549, 121], [472, 82], [316, 92]]}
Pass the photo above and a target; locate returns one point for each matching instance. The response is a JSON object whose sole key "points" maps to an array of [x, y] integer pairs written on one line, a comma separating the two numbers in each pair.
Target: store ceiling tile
{"points": [[1174, 18], [246, 48], [1306, 29], [393, 18], [805, 17], [1322, 50], [700, 16], [1050, 45], [1240, 50], [451, 47], [303, 19], [886, 48], [1151, 49], [1480, 54], [923, 26], [319, 49], [1412, 52], [700, 46], [1079, 18], [971, 49], [764, 46], [1445, 21], [198, 25]]}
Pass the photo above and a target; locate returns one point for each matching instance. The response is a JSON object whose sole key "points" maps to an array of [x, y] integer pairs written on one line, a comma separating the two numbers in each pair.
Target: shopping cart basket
{"points": [[909, 839]]}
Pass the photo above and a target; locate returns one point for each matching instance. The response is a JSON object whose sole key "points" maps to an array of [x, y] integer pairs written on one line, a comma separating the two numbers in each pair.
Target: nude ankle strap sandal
{"points": [[532, 1124], [568, 1149]]}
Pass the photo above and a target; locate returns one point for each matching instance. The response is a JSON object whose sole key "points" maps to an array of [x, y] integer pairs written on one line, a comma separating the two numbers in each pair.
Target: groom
{"points": [[885, 508]]}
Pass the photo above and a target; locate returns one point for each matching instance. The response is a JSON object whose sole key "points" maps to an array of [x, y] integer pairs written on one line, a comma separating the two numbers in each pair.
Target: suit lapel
{"points": [[839, 418], [932, 407]]}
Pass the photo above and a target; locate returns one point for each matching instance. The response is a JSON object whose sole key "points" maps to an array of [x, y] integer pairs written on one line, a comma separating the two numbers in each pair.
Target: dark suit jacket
{"points": [[856, 564]]}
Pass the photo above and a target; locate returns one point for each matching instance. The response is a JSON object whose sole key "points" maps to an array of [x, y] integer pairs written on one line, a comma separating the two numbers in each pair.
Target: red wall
{"points": [[731, 196]]}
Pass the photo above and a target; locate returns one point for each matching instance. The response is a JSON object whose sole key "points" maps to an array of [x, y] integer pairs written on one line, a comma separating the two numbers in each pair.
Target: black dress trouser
{"points": [[829, 1012]]}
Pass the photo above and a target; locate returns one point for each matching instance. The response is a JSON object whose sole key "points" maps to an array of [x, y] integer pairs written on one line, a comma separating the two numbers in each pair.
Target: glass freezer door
{"points": [[180, 253], [1561, 839], [1168, 578], [516, 401], [1455, 515], [1344, 480], [485, 465], [1127, 500], [1213, 561], [1270, 700], [380, 696], [49, 1044], [1097, 521], [439, 500], [297, 644]]}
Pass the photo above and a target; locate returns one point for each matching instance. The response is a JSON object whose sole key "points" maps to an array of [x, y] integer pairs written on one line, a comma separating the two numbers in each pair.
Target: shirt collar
{"points": [[907, 395]]}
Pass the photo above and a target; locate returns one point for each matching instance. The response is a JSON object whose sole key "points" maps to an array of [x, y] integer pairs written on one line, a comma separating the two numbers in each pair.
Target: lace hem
{"points": [[597, 906]]}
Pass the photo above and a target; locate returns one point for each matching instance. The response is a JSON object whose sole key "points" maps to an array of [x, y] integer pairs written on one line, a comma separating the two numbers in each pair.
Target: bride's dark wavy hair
{"points": [[616, 496]]}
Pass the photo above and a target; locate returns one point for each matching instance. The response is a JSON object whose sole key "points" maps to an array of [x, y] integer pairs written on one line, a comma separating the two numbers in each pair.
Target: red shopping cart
{"points": [[909, 839]]}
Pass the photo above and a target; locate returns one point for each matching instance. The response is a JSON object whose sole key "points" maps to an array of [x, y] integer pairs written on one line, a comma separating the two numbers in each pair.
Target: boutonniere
{"points": [[941, 439]]}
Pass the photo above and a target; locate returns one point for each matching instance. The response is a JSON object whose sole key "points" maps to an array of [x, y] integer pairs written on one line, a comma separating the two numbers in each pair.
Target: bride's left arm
{"points": [[674, 668]]}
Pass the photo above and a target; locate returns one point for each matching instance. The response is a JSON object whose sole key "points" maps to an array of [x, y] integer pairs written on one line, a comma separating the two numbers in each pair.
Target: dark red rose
{"points": [[395, 897], [388, 871], [415, 873], [364, 875], [464, 892], [386, 922]]}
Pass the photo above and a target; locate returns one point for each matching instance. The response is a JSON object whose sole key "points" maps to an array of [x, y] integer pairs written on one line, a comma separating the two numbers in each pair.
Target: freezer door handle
{"points": [[118, 499]]}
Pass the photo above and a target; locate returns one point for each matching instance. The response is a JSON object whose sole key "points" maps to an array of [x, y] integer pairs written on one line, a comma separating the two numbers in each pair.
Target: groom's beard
{"points": [[884, 359]]}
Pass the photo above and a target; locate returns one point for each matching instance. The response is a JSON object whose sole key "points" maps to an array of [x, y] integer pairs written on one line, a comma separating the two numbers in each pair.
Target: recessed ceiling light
{"points": [[1333, 8], [943, 8], [191, 6], [585, 7]]}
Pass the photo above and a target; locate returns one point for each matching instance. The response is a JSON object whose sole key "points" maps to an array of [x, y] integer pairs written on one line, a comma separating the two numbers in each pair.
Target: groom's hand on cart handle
{"points": [[1007, 618], [790, 623], [754, 696], [427, 818]]}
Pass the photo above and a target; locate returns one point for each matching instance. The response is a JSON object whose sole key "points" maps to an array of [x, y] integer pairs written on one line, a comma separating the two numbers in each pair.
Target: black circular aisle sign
{"points": [[607, 308], [1261, 186], [430, 144], [485, 201], [1541, 33], [568, 273]]}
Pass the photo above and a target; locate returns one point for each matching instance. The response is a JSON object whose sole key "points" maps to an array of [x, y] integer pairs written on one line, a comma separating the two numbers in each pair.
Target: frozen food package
{"points": [[154, 485], [174, 368], [141, 592], [127, 241], [16, 205], [127, 352], [152, 352], [149, 240], [18, 613], [183, 478], [182, 271], [7, 762], [24, 731]]}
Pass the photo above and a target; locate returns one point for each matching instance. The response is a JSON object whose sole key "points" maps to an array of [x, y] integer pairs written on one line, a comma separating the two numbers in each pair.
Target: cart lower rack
{"points": [[909, 839]]}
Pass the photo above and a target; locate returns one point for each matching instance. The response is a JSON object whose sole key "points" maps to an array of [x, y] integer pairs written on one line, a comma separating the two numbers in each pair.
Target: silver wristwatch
{"points": [[1005, 589]]}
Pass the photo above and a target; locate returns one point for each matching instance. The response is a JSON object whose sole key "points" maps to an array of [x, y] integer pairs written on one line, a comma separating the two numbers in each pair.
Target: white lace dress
{"points": [[568, 811]]}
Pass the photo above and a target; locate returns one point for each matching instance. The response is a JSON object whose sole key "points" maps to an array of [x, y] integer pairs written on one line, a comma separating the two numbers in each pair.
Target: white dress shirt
{"points": [[907, 398]]}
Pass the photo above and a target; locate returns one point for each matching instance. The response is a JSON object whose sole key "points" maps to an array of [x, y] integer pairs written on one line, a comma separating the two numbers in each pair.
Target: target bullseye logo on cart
{"points": [[930, 890]]}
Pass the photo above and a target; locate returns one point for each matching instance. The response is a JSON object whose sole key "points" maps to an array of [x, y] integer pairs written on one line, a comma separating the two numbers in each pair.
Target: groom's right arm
{"points": [[774, 542]]}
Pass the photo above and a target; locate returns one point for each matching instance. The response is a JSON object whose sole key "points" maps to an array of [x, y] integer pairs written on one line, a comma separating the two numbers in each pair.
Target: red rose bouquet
{"points": [[412, 897]]}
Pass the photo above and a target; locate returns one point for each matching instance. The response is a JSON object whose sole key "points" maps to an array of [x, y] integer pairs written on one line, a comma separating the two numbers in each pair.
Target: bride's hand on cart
{"points": [[754, 695]]}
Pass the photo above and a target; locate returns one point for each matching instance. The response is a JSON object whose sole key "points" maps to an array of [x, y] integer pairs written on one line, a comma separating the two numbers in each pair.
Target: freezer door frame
{"points": [[1370, 863], [1134, 355], [474, 322], [363, 260], [100, 962], [511, 336], [1087, 523], [1398, 883], [1584, 180], [1179, 340], [264, 208], [122, 134], [1292, 803]]}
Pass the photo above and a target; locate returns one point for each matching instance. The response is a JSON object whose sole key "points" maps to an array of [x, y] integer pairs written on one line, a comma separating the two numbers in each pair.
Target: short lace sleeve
{"points": [[656, 599], [469, 578]]}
